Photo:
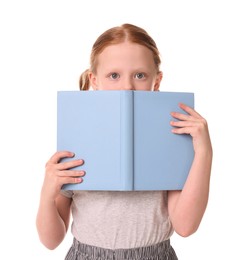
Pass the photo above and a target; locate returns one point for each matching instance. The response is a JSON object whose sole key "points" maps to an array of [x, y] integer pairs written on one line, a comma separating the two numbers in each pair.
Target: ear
{"points": [[158, 81], [93, 80]]}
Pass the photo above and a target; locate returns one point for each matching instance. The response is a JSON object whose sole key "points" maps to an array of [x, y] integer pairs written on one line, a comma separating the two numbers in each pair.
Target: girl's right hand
{"points": [[58, 173]]}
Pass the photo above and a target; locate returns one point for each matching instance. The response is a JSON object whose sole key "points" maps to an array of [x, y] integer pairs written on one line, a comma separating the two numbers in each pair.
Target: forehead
{"points": [[126, 53]]}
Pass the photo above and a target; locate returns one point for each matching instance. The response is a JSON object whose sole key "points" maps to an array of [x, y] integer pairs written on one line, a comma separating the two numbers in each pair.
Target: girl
{"points": [[125, 225]]}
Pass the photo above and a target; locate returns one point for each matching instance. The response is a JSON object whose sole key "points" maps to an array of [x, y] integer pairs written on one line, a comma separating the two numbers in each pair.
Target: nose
{"points": [[127, 84]]}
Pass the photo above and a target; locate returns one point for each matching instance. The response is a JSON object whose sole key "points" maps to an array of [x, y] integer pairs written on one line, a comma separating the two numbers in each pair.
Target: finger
{"points": [[183, 123], [189, 110], [71, 180], [56, 157], [181, 116], [182, 130], [71, 173], [69, 164]]}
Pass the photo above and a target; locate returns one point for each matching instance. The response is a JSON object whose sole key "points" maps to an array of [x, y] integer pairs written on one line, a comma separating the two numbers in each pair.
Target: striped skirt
{"points": [[161, 251]]}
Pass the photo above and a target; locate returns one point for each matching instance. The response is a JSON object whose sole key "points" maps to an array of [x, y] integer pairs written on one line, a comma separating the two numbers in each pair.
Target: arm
{"points": [[187, 207], [54, 209]]}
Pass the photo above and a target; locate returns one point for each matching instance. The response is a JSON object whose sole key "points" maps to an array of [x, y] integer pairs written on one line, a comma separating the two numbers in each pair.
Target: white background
{"points": [[45, 45]]}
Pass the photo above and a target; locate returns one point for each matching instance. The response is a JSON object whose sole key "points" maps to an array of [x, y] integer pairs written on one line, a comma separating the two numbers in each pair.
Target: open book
{"points": [[125, 139]]}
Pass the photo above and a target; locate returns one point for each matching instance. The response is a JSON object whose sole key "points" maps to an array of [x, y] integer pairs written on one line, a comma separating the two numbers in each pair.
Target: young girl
{"points": [[134, 224]]}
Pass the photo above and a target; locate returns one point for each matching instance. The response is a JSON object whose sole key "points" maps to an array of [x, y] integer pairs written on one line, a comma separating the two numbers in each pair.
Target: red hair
{"points": [[116, 35]]}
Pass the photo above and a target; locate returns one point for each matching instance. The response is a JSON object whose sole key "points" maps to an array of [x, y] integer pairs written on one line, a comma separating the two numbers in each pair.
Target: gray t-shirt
{"points": [[120, 219]]}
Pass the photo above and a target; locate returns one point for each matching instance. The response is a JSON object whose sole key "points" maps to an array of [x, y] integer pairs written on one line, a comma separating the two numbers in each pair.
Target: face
{"points": [[126, 66]]}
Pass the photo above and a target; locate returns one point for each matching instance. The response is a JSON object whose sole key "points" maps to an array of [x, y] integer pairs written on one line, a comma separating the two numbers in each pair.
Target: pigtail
{"points": [[84, 82]]}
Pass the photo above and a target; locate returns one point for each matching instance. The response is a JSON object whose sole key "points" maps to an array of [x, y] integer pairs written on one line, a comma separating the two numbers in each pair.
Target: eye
{"points": [[140, 75], [114, 75]]}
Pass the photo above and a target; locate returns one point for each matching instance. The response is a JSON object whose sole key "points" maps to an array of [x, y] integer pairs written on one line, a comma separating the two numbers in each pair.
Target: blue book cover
{"points": [[125, 139]]}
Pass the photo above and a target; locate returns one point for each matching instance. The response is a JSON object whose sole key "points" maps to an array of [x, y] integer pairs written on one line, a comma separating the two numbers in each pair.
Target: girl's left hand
{"points": [[195, 125]]}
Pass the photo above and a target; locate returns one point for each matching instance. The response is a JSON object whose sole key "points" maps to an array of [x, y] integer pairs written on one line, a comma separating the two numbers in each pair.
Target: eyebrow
{"points": [[140, 69]]}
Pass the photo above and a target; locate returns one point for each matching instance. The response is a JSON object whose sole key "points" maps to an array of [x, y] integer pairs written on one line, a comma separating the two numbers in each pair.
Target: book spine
{"points": [[127, 139]]}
